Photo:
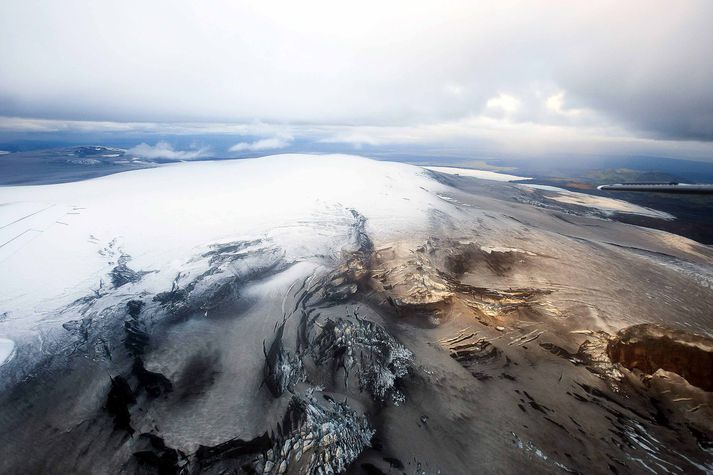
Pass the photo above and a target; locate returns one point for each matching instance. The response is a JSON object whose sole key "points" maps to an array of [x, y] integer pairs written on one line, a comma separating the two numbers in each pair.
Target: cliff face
{"points": [[648, 348]]}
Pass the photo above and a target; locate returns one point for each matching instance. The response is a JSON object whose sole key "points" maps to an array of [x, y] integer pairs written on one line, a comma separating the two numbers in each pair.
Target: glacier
{"points": [[331, 313]]}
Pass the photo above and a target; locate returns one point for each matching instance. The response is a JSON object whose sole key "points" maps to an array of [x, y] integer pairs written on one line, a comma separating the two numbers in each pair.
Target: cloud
{"points": [[165, 150], [272, 143], [257, 128], [356, 137], [545, 123], [641, 65], [503, 103], [495, 136]]}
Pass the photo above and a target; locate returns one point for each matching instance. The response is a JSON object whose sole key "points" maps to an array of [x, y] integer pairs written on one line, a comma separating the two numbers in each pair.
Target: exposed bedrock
{"points": [[351, 276], [475, 355], [458, 258], [412, 284], [122, 274], [592, 354], [317, 436], [236, 449], [426, 283], [650, 347]]}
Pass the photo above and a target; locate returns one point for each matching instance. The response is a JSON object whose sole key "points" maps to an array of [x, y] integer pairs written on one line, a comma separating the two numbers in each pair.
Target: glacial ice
{"points": [[51, 235]]}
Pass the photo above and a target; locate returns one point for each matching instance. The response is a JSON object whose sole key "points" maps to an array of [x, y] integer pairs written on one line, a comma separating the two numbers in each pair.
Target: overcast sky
{"points": [[619, 76]]}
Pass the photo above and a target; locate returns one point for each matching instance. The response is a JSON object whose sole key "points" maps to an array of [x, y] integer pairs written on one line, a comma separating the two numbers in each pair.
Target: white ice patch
{"points": [[544, 187], [608, 205], [482, 174], [7, 349], [491, 249], [282, 283]]}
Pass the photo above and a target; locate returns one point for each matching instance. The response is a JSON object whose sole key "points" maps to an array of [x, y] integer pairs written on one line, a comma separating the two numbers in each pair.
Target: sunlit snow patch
{"points": [[7, 349], [608, 205], [482, 174]]}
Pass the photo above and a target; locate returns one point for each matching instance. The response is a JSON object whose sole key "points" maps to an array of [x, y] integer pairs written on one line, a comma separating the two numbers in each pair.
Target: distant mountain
{"points": [[66, 164]]}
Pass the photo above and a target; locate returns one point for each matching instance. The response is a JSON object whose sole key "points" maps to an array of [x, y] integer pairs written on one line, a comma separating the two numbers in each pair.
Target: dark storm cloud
{"points": [[654, 74]]}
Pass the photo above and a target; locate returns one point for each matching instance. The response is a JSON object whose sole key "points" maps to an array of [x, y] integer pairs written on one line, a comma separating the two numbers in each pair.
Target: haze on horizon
{"points": [[511, 77]]}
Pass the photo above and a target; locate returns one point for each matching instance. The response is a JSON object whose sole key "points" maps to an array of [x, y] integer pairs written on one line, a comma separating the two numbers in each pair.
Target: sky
{"points": [[506, 77]]}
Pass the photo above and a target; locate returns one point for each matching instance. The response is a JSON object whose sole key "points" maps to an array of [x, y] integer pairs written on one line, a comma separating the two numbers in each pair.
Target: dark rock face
{"points": [[471, 354], [118, 400], [352, 275], [592, 354], [649, 348], [225, 253], [155, 384], [156, 456], [122, 274], [233, 449]]}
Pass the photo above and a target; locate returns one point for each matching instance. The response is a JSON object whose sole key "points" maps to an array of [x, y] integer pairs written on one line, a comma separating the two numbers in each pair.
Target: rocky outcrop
{"points": [[353, 274], [233, 449], [592, 354], [316, 437], [122, 274], [428, 282], [378, 358], [649, 347]]}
